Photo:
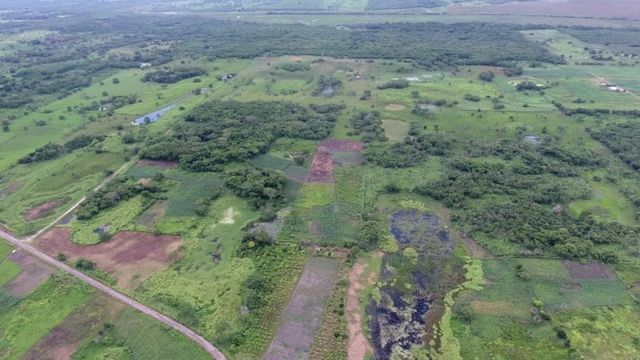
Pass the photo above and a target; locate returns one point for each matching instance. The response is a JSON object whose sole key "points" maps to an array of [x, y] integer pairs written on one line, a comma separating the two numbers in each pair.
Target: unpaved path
{"points": [[75, 206], [359, 347], [28, 248]]}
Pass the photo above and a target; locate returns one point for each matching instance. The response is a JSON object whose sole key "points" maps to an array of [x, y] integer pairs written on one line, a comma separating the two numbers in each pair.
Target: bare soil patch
{"points": [[301, 318], [129, 256], [323, 162], [321, 168], [296, 58], [395, 107], [333, 145], [44, 209], [61, 342], [158, 163], [477, 251], [33, 274], [358, 346], [579, 271]]}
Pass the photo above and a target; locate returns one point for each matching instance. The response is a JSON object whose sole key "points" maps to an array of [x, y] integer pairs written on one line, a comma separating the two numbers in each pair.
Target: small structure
{"points": [[227, 77], [145, 65]]}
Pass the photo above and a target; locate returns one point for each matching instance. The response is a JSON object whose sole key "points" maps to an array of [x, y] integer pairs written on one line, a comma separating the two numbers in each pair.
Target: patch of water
{"points": [[154, 116]]}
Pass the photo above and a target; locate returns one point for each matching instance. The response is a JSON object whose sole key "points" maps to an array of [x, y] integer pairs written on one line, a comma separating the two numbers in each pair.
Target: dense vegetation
{"points": [[170, 76], [52, 151], [622, 140], [219, 132]]}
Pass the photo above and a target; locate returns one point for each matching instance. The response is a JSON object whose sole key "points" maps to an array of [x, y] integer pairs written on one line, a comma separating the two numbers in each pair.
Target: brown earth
{"points": [[158, 163], [627, 9], [129, 256], [321, 168], [358, 346], [33, 274], [579, 271], [395, 107], [332, 145], [63, 340], [303, 313], [44, 209]]}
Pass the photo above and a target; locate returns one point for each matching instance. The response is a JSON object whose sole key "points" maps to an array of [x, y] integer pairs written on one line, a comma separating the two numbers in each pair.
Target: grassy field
{"points": [[25, 323]]}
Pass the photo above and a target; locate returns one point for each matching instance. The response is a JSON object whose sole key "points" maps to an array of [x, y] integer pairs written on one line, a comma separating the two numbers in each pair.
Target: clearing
{"points": [[129, 256], [302, 316]]}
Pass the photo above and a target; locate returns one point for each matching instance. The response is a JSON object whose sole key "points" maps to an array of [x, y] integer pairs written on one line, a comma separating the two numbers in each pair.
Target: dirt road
{"points": [[30, 249]]}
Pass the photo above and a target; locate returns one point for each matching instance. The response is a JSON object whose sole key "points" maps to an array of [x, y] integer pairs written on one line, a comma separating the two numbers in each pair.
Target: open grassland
{"points": [[64, 180], [132, 335], [33, 317]]}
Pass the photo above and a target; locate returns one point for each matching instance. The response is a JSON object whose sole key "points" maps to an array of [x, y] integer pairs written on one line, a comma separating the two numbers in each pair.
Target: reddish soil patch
{"points": [[323, 164], [158, 163], [358, 347], [627, 9], [332, 145], [579, 271], [33, 274], [129, 256], [302, 316], [44, 209], [321, 168], [61, 342]]}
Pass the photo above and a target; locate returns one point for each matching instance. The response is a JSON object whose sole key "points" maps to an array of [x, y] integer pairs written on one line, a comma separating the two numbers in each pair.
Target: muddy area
{"points": [[33, 274], [590, 271], [321, 168], [158, 163], [358, 346], [414, 283], [332, 152], [129, 256], [44, 209], [303, 313]]}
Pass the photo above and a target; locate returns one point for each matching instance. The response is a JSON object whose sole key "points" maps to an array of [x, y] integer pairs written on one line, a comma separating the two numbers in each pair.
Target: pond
{"points": [[154, 116]]}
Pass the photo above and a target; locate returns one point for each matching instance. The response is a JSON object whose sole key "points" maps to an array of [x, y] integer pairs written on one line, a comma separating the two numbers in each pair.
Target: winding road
{"points": [[25, 246], [30, 249]]}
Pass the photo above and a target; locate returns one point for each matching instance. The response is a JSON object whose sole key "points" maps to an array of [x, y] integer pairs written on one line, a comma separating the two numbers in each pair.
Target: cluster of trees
{"points": [[295, 67], [411, 152], [622, 140], [486, 76], [51, 151], [328, 85], [219, 132], [119, 189], [369, 125], [170, 76], [263, 187], [524, 199], [111, 103], [594, 112], [394, 84]]}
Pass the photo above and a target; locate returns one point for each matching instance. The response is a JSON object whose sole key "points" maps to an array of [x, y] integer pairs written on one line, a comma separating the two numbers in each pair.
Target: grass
{"points": [[395, 130], [190, 188], [115, 219], [316, 195], [70, 177], [501, 319], [8, 270], [607, 203], [133, 335], [24, 324]]}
